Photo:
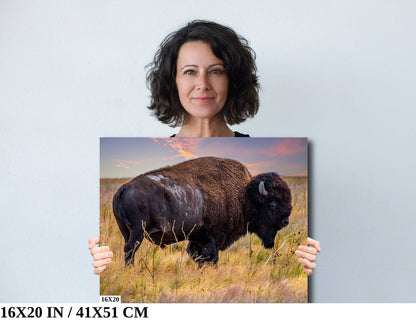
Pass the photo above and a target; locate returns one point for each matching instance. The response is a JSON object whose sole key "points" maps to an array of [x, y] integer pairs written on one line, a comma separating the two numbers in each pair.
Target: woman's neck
{"points": [[195, 127]]}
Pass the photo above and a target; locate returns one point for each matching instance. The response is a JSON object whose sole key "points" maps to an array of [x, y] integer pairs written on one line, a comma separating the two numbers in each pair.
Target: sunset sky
{"points": [[129, 157]]}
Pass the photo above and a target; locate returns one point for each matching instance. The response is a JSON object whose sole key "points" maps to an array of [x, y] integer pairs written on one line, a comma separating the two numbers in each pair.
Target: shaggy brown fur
{"points": [[223, 183]]}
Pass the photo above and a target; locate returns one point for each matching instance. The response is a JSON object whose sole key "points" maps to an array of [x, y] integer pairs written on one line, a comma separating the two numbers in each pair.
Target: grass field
{"points": [[246, 272]]}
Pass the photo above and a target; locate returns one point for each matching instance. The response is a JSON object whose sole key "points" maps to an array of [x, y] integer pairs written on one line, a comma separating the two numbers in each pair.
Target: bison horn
{"points": [[262, 189]]}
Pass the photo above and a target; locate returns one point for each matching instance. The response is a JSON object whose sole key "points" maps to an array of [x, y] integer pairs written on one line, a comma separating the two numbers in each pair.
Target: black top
{"points": [[236, 134]]}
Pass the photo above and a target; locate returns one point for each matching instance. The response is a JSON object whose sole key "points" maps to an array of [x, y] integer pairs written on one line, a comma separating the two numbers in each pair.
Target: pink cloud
{"points": [[121, 165], [286, 147], [259, 164], [128, 162], [124, 163], [255, 172], [256, 168], [182, 147]]}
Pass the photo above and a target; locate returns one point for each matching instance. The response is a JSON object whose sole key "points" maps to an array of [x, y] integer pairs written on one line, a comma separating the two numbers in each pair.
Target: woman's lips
{"points": [[203, 99]]}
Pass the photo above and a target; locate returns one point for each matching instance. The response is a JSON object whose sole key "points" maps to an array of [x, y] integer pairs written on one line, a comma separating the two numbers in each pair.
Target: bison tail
{"points": [[123, 216], [117, 207]]}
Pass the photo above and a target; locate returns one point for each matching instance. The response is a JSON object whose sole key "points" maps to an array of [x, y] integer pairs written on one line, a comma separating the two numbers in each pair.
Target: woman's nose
{"points": [[203, 81]]}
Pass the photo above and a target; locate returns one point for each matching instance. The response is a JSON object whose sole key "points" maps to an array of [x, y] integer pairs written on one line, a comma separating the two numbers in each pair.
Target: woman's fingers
{"points": [[306, 253], [99, 269], [307, 264], [93, 242], [101, 263], [315, 244], [307, 270], [99, 249], [102, 253]]}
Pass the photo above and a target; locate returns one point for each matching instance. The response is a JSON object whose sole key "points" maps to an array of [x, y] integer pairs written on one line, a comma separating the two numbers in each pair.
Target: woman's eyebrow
{"points": [[195, 66], [217, 64]]}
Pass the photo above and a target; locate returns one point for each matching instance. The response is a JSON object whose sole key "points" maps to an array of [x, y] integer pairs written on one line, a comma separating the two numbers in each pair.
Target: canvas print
{"points": [[204, 219]]}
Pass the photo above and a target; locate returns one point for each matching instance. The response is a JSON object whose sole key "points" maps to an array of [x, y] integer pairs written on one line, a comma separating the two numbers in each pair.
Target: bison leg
{"points": [[194, 250], [209, 253], [130, 248], [203, 253]]}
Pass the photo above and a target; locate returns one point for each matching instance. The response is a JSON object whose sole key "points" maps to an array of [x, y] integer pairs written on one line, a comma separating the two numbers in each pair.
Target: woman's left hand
{"points": [[307, 255]]}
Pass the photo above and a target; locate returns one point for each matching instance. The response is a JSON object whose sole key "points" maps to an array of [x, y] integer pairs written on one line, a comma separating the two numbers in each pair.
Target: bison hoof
{"points": [[202, 255]]}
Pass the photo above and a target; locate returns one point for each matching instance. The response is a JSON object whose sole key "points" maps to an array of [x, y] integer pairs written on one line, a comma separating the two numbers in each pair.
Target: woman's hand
{"points": [[101, 254], [307, 255]]}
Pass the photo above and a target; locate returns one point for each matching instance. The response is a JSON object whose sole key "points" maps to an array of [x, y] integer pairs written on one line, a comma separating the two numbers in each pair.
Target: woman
{"points": [[203, 78]]}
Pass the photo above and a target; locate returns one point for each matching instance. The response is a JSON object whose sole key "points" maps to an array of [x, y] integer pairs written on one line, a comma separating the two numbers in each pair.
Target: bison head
{"points": [[268, 206]]}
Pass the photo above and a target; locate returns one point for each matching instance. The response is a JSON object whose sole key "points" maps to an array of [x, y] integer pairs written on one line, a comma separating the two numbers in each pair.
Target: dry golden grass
{"points": [[241, 275]]}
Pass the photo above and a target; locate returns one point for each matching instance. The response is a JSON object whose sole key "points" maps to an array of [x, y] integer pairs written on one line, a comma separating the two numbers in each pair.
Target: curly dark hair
{"points": [[239, 59]]}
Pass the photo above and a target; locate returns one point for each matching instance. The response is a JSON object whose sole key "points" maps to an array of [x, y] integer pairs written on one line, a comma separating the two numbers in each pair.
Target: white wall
{"points": [[339, 72]]}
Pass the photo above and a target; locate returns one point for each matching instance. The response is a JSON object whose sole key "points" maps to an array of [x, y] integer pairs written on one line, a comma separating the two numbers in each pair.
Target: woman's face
{"points": [[201, 81]]}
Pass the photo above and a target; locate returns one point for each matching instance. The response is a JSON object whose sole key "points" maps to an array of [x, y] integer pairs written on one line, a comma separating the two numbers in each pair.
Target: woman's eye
{"points": [[217, 71], [189, 72]]}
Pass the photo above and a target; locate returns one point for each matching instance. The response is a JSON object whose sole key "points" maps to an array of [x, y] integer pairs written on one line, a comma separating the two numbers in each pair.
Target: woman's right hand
{"points": [[101, 254]]}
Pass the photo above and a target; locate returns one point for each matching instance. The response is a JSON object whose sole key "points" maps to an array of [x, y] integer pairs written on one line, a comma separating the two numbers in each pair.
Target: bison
{"points": [[209, 201]]}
